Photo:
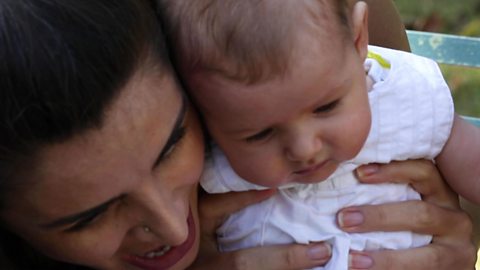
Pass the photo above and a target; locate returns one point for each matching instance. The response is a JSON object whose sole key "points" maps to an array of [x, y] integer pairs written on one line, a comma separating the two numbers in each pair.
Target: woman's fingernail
{"points": [[320, 252], [347, 219], [359, 261], [367, 170]]}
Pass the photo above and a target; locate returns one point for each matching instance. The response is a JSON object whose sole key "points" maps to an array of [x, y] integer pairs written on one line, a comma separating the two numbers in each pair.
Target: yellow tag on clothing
{"points": [[382, 61]]}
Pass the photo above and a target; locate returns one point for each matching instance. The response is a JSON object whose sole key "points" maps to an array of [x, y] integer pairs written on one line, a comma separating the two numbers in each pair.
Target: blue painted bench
{"points": [[447, 49]]}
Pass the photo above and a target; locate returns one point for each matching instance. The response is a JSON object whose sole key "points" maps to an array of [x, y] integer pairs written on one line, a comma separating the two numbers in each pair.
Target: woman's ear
{"points": [[360, 28]]}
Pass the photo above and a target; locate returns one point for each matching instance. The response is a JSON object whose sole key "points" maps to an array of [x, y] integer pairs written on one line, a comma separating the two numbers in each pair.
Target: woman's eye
{"points": [[178, 136], [260, 136], [326, 108], [84, 223]]}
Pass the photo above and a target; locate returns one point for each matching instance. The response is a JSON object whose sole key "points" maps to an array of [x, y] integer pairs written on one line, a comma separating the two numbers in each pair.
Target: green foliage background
{"points": [[460, 17]]}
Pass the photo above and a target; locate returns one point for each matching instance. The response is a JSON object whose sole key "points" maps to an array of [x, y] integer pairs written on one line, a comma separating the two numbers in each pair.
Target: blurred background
{"points": [[451, 17]]}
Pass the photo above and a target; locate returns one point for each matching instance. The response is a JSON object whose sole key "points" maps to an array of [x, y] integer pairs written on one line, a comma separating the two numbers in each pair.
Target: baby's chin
{"points": [[310, 174]]}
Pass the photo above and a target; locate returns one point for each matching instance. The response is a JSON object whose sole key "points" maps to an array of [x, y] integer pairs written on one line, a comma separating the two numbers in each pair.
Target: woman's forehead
{"points": [[103, 163]]}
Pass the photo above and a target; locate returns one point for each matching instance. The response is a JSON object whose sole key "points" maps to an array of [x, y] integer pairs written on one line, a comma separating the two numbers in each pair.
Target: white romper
{"points": [[412, 115]]}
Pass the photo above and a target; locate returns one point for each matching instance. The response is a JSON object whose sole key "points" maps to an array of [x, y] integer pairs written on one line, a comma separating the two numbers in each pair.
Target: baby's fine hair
{"points": [[244, 40]]}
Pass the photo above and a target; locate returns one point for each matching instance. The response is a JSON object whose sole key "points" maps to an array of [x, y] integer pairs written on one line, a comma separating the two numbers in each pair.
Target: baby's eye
{"points": [[326, 108], [264, 134]]}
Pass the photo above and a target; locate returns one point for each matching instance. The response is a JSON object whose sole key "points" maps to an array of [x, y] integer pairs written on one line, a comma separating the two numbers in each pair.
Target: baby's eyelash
{"points": [[328, 107]]}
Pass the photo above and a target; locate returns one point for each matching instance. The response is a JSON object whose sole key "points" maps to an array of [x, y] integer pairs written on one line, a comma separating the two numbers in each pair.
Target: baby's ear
{"points": [[360, 28]]}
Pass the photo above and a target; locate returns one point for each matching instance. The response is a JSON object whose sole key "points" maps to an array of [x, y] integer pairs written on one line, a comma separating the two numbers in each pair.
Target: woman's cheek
{"points": [[84, 248], [193, 154]]}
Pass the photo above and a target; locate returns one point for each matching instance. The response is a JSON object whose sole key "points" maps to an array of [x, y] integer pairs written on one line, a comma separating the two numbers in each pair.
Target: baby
{"points": [[295, 99]]}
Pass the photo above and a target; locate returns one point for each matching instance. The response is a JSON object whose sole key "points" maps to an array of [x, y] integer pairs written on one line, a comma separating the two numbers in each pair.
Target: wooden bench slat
{"points": [[473, 120], [446, 49]]}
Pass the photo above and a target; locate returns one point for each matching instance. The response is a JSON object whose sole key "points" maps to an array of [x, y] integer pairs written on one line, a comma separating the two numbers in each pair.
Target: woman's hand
{"points": [[439, 214], [213, 210]]}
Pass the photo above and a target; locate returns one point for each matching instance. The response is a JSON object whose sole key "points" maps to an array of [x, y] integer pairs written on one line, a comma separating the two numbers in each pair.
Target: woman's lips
{"points": [[166, 256]]}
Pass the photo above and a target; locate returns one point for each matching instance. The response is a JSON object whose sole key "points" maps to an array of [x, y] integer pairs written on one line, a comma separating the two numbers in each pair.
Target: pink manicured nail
{"points": [[347, 219], [359, 261], [367, 170]]}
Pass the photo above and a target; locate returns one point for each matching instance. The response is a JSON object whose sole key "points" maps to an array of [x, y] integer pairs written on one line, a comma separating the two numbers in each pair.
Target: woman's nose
{"points": [[162, 216]]}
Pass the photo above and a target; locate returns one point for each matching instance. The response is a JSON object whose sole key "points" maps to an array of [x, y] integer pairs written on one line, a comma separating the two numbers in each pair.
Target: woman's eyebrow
{"points": [[172, 139], [70, 219]]}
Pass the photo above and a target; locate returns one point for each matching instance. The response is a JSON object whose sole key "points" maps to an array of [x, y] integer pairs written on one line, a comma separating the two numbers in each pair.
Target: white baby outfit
{"points": [[412, 115]]}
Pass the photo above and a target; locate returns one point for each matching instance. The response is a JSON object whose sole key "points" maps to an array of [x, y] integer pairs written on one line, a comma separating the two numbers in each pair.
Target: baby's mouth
{"points": [[310, 169]]}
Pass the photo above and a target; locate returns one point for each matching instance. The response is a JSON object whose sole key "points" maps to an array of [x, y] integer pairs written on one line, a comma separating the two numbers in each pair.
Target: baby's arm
{"points": [[459, 161]]}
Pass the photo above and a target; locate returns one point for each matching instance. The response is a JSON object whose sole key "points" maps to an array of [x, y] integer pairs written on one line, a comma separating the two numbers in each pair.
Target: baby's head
{"points": [[280, 84]]}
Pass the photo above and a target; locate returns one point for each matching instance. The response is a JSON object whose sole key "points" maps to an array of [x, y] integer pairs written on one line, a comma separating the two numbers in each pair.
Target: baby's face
{"points": [[292, 129]]}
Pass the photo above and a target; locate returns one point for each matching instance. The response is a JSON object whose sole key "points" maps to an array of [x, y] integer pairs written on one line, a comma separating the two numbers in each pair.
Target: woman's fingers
{"points": [[422, 175], [282, 257], [438, 257], [438, 215], [214, 208], [416, 216]]}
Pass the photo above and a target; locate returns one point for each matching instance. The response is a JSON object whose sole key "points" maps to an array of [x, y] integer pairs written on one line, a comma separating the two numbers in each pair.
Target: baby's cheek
{"points": [[258, 169], [357, 141]]}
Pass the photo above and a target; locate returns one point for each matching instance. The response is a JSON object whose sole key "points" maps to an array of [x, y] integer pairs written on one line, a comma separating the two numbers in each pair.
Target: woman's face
{"points": [[87, 200]]}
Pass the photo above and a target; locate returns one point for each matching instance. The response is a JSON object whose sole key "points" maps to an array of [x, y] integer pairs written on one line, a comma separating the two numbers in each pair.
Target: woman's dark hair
{"points": [[62, 63]]}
